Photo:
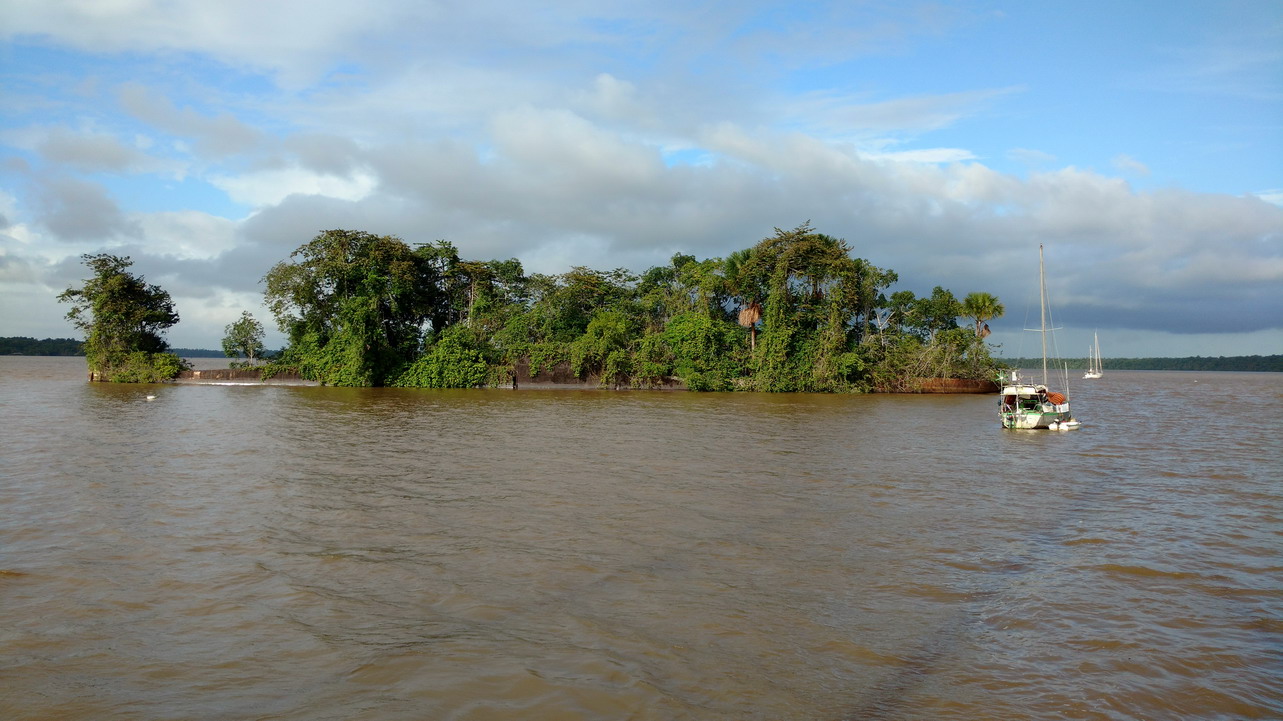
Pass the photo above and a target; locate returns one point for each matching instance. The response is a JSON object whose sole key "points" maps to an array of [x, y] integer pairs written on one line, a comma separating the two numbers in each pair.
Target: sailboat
{"points": [[1027, 405], [1094, 368]]}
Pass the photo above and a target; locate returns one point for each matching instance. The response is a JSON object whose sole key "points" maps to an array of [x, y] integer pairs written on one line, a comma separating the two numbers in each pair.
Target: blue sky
{"points": [[1140, 142]]}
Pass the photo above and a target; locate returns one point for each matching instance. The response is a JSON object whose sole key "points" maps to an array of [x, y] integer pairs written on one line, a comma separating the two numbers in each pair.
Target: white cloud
{"points": [[74, 209], [1130, 166], [186, 234], [554, 144], [613, 98], [8, 205], [926, 155], [270, 187], [289, 37], [217, 136], [1274, 196], [88, 151]]}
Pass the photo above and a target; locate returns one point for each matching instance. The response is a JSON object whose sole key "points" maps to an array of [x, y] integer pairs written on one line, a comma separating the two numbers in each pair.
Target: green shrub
{"points": [[144, 367], [453, 361]]}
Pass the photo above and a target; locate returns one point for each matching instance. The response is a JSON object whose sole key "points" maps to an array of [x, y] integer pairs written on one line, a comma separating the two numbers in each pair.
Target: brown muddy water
{"points": [[304, 553]]}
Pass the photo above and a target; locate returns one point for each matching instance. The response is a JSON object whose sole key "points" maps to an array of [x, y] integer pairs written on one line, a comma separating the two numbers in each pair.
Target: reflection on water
{"points": [[319, 553]]}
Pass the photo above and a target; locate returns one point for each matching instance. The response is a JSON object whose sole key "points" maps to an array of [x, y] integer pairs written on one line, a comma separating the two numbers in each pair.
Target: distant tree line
{"points": [[1248, 363], [21, 345]]}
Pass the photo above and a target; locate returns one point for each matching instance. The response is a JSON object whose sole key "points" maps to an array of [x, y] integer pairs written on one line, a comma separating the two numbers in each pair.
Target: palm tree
{"points": [[980, 307]]}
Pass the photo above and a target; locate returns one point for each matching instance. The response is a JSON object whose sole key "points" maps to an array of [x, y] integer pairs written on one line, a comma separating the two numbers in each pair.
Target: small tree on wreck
{"points": [[244, 338], [123, 319]]}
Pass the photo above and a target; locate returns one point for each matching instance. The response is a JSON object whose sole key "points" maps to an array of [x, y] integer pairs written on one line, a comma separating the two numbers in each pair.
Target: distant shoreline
{"points": [[1245, 363]]}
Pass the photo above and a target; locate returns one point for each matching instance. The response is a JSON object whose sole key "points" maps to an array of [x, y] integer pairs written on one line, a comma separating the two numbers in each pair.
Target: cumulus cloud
{"points": [[287, 37], [324, 153], [1274, 196], [927, 155], [553, 143], [91, 152], [269, 187], [186, 234], [74, 209], [218, 135], [613, 98]]}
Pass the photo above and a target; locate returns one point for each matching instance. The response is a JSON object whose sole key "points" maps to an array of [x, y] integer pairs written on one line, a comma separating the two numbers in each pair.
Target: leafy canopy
{"points": [[244, 338], [797, 311], [124, 319], [355, 305]]}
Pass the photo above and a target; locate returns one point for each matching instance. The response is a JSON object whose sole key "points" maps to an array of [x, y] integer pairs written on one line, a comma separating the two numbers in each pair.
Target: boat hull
{"points": [[1037, 420]]}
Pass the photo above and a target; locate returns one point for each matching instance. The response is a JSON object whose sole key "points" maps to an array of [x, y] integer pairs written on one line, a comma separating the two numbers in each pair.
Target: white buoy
{"points": [[151, 398]]}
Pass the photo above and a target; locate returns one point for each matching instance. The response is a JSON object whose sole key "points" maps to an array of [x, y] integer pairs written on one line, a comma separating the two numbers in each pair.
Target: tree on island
{"points": [[244, 338], [354, 305], [123, 319]]}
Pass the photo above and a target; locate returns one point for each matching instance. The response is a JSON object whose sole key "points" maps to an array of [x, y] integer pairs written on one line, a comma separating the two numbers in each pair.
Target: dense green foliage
{"points": [[795, 312], [123, 319], [453, 361], [354, 305]]}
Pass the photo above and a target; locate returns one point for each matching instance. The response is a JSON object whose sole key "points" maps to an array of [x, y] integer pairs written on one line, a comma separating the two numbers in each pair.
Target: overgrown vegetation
{"points": [[795, 312], [123, 319]]}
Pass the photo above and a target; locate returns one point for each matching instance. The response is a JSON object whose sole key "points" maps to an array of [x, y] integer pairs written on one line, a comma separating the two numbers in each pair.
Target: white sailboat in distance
{"points": [[1094, 368]]}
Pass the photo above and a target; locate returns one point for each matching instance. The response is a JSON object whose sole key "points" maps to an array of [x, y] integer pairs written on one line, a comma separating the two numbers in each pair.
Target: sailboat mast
{"points": [[1042, 301]]}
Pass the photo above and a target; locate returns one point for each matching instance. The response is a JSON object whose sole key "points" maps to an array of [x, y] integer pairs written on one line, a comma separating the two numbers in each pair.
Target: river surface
{"points": [[311, 553]]}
